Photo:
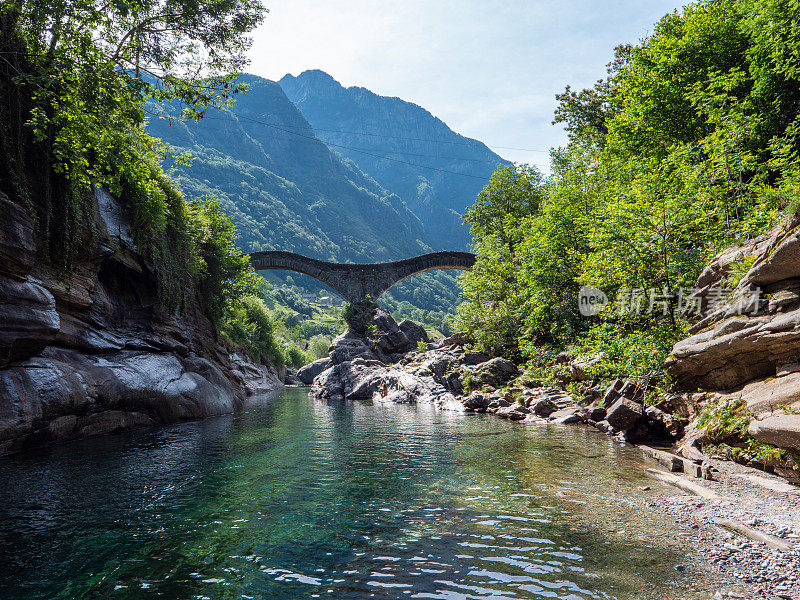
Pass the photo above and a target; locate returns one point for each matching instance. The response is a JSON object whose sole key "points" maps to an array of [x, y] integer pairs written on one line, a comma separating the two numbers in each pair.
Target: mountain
{"points": [[287, 188], [286, 191], [407, 150]]}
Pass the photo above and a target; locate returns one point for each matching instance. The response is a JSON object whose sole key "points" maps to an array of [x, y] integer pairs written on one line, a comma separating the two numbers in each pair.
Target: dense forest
{"points": [[688, 145]]}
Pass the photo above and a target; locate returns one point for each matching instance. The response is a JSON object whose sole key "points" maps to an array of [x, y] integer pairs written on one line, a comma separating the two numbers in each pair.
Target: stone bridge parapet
{"points": [[356, 282]]}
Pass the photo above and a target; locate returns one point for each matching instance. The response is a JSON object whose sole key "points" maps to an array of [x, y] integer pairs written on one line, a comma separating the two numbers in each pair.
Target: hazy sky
{"points": [[489, 69]]}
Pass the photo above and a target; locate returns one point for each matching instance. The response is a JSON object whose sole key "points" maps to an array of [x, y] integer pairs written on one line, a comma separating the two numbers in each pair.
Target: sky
{"points": [[489, 69]]}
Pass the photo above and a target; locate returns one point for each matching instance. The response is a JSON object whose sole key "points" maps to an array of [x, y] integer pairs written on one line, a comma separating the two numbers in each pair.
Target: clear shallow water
{"points": [[302, 499]]}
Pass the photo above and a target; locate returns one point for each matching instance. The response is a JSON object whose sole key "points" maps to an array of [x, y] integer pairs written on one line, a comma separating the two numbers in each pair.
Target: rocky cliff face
{"points": [[89, 352], [752, 355]]}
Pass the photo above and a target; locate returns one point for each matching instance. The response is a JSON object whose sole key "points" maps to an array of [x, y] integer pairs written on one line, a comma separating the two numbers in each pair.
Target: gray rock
{"points": [[579, 368], [459, 338], [779, 430], [110, 421], [388, 335], [307, 373], [291, 378], [514, 412], [17, 246], [544, 407], [612, 393], [54, 396], [437, 365], [568, 416], [669, 424], [475, 357], [348, 346], [115, 219], [624, 414], [413, 332], [28, 319], [782, 299], [597, 413], [495, 372], [88, 352], [605, 427], [476, 401]]}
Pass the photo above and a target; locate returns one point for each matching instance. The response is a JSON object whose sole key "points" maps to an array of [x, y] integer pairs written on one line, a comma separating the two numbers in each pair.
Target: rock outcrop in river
{"points": [[88, 352], [382, 366]]}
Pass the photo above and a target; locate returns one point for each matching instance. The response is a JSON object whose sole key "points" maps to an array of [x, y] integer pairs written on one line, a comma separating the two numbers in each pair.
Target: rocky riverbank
{"points": [[762, 503], [389, 365], [89, 352]]}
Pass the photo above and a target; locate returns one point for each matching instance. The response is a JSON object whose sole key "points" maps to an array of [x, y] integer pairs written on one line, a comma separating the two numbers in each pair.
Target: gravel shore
{"points": [[758, 500]]}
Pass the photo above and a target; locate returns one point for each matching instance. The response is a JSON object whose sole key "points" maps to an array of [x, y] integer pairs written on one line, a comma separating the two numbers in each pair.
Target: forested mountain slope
{"points": [[437, 172], [286, 191]]}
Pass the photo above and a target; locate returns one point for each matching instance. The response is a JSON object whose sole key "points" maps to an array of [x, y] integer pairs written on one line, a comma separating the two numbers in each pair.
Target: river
{"points": [[301, 499]]}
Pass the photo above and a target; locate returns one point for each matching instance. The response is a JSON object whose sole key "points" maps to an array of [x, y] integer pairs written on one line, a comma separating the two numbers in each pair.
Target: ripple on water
{"points": [[304, 499]]}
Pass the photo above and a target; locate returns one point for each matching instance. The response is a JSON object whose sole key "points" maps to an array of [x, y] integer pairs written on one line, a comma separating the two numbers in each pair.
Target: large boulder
{"points": [[742, 340], [362, 379], [779, 430], [580, 367], [460, 338], [438, 365], [623, 388], [613, 392], [386, 333], [477, 402], [624, 414], [28, 319], [514, 412], [66, 394], [348, 346], [495, 372], [413, 332], [568, 416], [475, 357], [662, 424], [307, 374], [543, 407]]}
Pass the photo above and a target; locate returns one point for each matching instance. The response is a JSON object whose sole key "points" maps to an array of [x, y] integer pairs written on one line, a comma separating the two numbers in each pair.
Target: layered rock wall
{"points": [[88, 351], [750, 351]]}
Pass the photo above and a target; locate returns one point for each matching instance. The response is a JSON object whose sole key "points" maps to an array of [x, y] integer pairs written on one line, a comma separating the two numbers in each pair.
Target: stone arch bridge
{"points": [[356, 282]]}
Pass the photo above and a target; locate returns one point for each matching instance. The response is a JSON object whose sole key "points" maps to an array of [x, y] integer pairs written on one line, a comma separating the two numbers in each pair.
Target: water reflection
{"points": [[304, 499]]}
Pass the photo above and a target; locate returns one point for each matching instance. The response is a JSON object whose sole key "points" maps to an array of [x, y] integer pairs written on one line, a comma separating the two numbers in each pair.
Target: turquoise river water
{"points": [[299, 498]]}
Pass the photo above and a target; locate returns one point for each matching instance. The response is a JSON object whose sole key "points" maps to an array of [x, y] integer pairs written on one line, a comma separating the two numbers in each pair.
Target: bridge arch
{"points": [[355, 282]]}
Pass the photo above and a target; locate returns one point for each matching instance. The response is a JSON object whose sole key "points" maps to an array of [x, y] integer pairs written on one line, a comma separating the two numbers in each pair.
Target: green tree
{"points": [[75, 75], [689, 145], [494, 303], [513, 193]]}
